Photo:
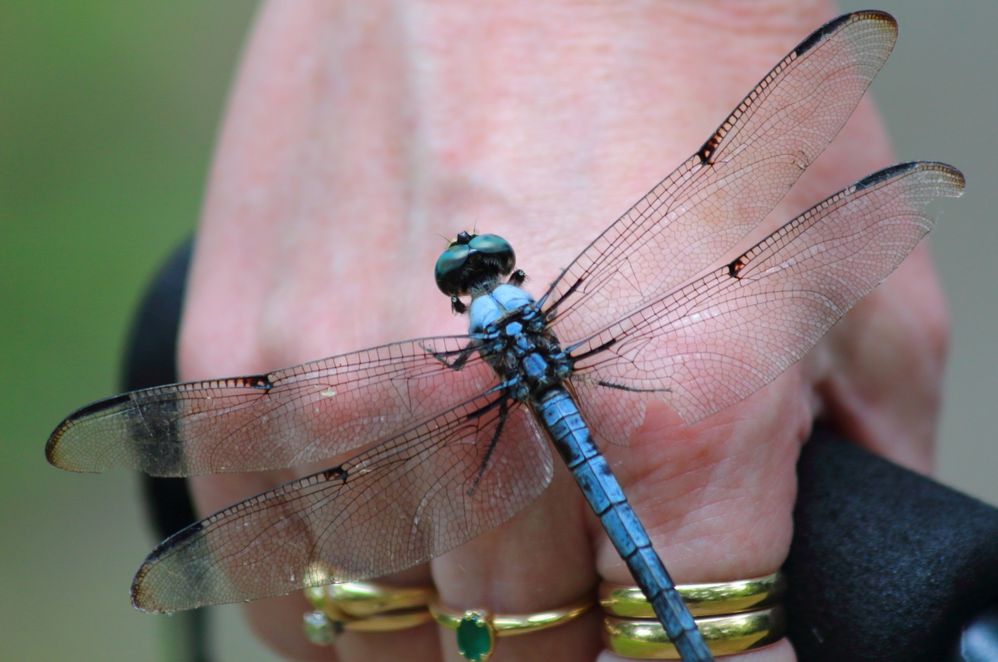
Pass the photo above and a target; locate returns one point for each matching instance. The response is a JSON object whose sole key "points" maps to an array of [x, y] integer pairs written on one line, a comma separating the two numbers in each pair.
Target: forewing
{"points": [[699, 212], [399, 503], [307, 413], [718, 339]]}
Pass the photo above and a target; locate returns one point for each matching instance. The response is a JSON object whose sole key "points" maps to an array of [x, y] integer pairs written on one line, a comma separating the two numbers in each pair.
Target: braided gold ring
{"points": [[363, 607]]}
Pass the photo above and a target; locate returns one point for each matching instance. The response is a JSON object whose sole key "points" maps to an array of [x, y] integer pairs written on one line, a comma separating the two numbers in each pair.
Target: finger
{"points": [[418, 643], [279, 621], [884, 387], [717, 497], [542, 559], [267, 287], [879, 371]]}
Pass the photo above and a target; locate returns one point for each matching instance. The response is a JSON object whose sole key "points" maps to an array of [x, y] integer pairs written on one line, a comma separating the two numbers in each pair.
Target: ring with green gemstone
{"points": [[476, 630]]}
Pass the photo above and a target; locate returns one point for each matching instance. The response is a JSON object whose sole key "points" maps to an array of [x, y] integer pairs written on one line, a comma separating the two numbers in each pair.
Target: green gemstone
{"points": [[475, 639]]}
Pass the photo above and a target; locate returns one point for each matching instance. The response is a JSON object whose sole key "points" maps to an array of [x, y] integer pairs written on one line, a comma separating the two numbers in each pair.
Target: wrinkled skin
{"points": [[360, 133]]}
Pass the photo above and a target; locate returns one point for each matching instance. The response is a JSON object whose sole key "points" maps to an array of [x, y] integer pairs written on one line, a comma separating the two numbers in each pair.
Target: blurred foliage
{"points": [[108, 112]]}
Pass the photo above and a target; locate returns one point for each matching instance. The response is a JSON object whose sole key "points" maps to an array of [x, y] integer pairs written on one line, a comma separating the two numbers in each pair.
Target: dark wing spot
{"points": [[735, 268], [336, 473], [261, 382], [706, 152]]}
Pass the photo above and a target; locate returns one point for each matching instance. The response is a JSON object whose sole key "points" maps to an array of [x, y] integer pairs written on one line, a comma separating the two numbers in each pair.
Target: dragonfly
{"points": [[448, 437]]}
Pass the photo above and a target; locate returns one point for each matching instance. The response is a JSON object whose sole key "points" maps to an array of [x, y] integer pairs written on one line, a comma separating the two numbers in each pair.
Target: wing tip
{"points": [[142, 600], [886, 21], [52, 444], [138, 593], [55, 445], [143, 595], [955, 178], [137, 597], [54, 448]]}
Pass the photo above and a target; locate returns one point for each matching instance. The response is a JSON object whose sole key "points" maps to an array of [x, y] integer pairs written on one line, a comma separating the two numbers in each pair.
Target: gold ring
{"points": [[476, 630], [725, 635], [363, 599], [715, 599], [363, 607]]}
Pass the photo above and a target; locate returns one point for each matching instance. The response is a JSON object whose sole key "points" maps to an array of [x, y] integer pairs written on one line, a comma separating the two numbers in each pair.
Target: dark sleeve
{"points": [[886, 564], [150, 359]]}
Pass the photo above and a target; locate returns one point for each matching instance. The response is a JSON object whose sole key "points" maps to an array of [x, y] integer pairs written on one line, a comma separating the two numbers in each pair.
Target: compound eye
{"points": [[473, 262], [498, 250], [449, 270]]}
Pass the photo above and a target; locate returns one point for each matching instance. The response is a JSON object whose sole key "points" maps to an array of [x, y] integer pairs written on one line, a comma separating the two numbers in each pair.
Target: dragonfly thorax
{"points": [[489, 308], [514, 340]]}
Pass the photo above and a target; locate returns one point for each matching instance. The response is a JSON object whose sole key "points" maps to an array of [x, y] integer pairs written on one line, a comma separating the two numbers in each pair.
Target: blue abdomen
{"points": [[570, 435]]}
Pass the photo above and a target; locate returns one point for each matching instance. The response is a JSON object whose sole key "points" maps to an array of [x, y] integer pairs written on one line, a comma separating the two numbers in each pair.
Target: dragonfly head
{"points": [[473, 264]]}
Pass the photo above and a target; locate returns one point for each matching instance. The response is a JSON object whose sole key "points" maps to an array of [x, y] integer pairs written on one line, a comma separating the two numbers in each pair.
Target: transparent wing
{"points": [[720, 338], [397, 504], [307, 413], [699, 212]]}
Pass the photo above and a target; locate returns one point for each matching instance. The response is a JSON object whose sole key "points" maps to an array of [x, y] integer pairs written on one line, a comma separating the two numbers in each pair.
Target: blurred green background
{"points": [[108, 113]]}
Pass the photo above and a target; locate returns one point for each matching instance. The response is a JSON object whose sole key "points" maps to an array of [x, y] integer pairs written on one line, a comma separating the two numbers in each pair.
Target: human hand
{"points": [[358, 134]]}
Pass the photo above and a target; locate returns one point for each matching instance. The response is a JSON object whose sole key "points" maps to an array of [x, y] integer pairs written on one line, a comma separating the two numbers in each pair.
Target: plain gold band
{"points": [[511, 625], [386, 622], [725, 635], [714, 599]]}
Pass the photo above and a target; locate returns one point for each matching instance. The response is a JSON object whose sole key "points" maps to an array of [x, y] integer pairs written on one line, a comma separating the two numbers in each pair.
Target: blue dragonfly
{"points": [[451, 435]]}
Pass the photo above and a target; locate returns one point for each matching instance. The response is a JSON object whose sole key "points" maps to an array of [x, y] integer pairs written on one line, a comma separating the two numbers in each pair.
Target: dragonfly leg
{"points": [[632, 389], [503, 403], [457, 363]]}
